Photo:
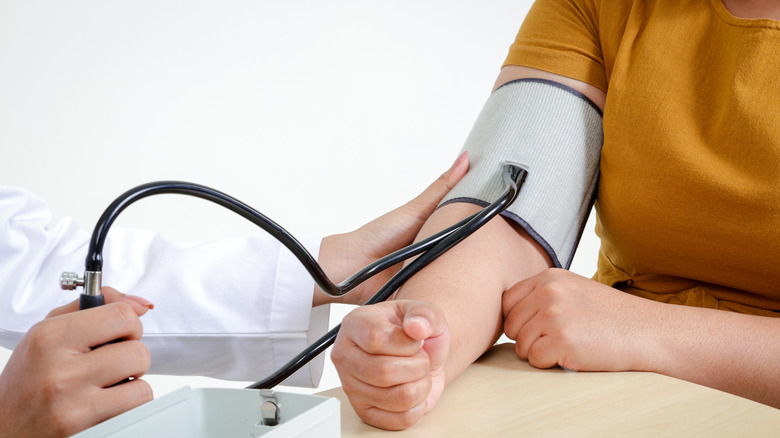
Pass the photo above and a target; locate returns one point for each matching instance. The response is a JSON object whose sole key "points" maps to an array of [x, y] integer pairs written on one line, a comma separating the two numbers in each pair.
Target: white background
{"points": [[323, 115]]}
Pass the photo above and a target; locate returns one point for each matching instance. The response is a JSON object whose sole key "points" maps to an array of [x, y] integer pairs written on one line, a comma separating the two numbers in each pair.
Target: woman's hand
{"points": [[390, 358], [55, 384], [560, 318], [342, 255]]}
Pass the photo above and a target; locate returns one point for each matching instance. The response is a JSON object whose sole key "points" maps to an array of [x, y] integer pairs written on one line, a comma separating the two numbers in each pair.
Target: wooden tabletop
{"points": [[501, 395]]}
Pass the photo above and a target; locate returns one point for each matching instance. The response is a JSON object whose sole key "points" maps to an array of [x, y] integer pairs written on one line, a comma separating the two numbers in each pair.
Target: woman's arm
{"points": [[467, 282], [558, 317], [461, 292], [391, 373], [728, 351]]}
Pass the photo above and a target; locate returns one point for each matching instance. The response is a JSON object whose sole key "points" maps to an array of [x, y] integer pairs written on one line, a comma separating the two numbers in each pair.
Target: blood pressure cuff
{"points": [[556, 134]]}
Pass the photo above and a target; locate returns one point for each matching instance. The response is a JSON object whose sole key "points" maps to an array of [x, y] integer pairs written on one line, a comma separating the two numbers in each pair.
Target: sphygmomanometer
{"points": [[531, 133]]}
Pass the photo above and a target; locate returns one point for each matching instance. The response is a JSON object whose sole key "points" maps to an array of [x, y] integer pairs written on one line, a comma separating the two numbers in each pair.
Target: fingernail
{"points": [[142, 301], [420, 320], [460, 158]]}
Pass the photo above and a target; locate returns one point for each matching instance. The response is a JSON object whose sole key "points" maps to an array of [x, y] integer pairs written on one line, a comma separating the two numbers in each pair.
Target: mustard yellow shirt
{"points": [[689, 198]]}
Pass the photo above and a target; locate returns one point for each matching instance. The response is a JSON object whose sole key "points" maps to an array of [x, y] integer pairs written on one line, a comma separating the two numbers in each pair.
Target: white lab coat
{"points": [[236, 308]]}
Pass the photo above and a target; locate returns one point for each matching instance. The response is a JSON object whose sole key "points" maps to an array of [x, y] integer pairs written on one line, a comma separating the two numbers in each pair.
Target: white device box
{"points": [[222, 412]]}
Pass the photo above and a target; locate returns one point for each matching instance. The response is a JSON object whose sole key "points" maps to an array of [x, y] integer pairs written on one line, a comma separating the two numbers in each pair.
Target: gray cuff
{"points": [[556, 133]]}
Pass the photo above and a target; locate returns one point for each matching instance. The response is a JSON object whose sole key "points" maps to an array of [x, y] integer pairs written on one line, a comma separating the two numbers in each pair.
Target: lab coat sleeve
{"points": [[237, 308]]}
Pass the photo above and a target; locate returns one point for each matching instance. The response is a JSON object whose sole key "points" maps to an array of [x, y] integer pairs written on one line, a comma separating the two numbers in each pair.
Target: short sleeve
{"points": [[562, 37]]}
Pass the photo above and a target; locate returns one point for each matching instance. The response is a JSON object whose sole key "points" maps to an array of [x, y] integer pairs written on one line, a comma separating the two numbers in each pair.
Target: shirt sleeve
{"points": [[236, 308], [562, 37]]}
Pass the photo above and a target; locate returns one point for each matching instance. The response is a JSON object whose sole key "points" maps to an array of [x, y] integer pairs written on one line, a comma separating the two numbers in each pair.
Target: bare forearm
{"points": [[732, 352], [467, 282]]}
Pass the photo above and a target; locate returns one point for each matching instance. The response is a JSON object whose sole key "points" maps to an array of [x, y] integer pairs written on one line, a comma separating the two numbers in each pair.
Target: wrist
{"points": [[332, 258], [652, 344], [324, 258]]}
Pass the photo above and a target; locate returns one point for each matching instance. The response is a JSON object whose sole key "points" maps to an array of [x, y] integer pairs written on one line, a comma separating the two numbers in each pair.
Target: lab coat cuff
{"points": [[293, 295]]}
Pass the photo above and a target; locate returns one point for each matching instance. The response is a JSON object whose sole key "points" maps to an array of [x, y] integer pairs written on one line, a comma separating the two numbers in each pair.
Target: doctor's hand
{"points": [[54, 384], [342, 255], [390, 358], [560, 318]]}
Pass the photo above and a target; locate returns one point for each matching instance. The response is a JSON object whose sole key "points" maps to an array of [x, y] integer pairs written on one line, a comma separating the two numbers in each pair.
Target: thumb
{"points": [[424, 321]]}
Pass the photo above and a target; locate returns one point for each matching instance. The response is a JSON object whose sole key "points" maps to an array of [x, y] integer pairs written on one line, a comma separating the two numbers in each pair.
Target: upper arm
{"points": [[512, 72]]}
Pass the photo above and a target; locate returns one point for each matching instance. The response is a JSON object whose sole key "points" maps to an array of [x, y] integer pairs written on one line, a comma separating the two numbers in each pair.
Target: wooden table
{"points": [[501, 395]]}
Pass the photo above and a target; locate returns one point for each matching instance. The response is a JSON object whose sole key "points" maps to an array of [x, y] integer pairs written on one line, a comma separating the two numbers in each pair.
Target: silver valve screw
{"points": [[71, 280]]}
